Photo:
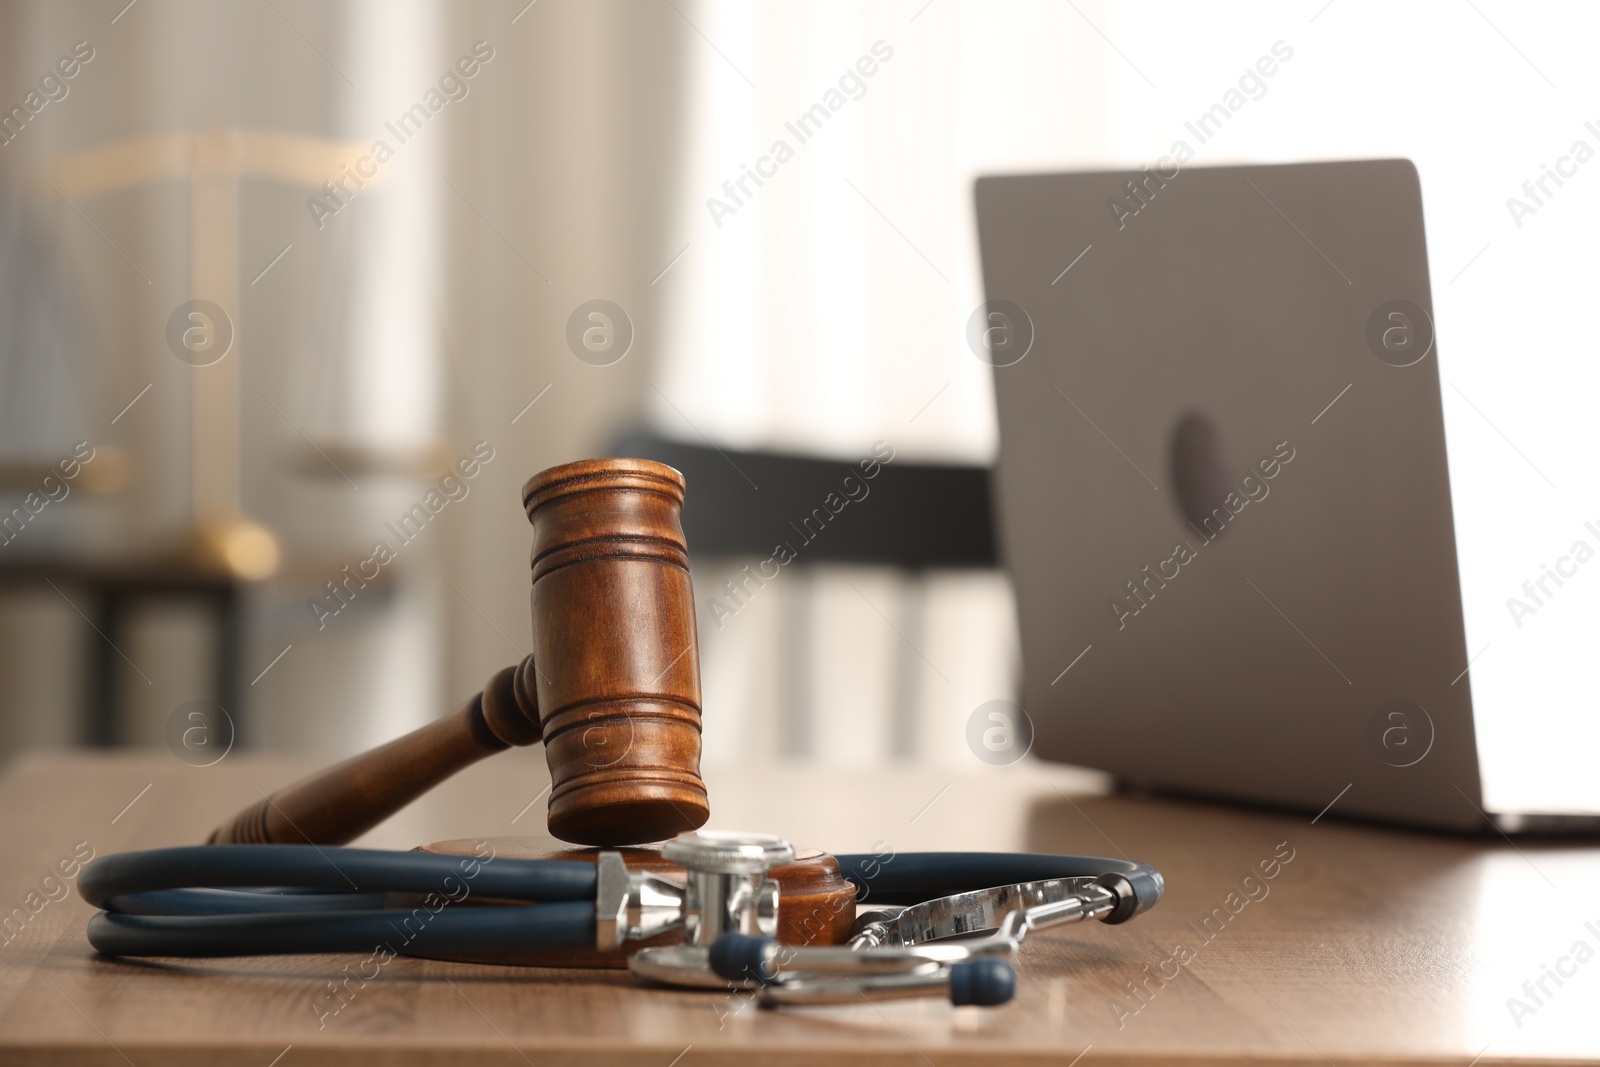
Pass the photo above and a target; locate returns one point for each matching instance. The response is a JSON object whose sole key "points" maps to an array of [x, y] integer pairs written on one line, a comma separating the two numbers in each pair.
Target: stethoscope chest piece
{"points": [[727, 890], [960, 945]]}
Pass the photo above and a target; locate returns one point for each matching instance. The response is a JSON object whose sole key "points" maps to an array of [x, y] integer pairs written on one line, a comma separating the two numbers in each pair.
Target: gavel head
{"points": [[616, 662]]}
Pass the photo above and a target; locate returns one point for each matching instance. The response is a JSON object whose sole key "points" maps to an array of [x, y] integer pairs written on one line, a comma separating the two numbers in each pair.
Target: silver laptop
{"points": [[1225, 498]]}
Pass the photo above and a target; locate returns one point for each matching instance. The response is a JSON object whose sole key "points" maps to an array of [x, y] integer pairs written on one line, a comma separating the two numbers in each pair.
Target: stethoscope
{"points": [[954, 922]]}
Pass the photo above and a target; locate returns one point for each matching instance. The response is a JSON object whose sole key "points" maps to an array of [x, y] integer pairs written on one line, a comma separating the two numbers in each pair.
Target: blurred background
{"points": [[275, 274]]}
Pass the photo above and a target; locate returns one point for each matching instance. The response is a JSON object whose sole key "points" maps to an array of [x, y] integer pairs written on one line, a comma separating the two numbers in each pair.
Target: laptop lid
{"points": [[1223, 490]]}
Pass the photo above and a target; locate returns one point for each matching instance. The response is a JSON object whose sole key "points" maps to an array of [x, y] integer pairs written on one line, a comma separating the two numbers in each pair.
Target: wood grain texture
{"points": [[614, 638], [1369, 946]]}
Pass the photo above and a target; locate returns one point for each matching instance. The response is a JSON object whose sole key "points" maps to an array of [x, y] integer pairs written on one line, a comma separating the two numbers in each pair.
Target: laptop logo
{"points": [[1199, 473]]}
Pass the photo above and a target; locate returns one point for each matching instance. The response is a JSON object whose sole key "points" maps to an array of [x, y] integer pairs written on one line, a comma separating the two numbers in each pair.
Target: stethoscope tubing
{"points": [[569, 924], [260, 900], [274, 900], [340, 870]]}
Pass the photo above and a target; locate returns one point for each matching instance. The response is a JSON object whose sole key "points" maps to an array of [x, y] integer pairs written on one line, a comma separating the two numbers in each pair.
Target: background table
{"points": [[1369, 944]]}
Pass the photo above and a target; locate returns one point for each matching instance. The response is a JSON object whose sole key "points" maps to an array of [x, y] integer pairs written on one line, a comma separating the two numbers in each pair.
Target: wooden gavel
{"points": [[612, 687]]}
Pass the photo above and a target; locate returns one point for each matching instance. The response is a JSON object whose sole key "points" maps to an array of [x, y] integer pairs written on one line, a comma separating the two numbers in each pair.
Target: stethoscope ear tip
{"points": [[982, 982]]}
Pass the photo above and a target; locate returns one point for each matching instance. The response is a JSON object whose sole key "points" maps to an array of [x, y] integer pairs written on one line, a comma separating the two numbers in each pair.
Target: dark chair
{"points": [[915, 517], [113, 588], [743, 503]]}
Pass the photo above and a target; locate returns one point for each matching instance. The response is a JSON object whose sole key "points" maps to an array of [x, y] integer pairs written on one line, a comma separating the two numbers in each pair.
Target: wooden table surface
{"points": [[1368, 945]]}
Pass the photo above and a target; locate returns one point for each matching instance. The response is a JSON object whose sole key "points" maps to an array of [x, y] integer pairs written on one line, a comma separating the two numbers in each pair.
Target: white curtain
{"points": [[827, 310], [820, 305]]}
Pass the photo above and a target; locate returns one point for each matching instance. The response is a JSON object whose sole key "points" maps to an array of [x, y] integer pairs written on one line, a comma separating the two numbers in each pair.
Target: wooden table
{"points": [[1368, 945]]}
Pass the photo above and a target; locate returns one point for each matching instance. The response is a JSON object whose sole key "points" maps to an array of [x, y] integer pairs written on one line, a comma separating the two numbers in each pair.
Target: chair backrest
{"points": [[910, 515]]}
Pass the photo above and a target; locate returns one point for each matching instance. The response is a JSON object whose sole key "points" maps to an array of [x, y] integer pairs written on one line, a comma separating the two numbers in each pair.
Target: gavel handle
{"points": [[345, 801]]}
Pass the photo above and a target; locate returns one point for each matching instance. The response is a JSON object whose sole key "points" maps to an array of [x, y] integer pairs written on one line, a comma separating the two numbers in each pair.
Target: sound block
{"points": [[815, 904]]}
